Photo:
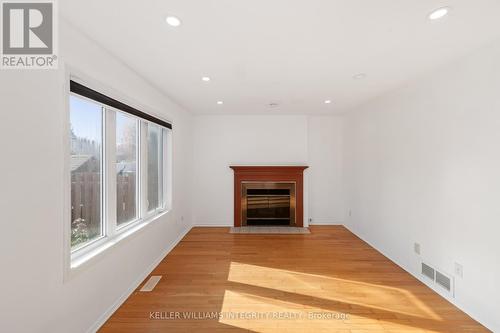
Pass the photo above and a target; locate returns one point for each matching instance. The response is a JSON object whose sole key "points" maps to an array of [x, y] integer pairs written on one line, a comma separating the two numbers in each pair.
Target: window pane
{"points": [[164, 195], [126, 168], [86, 171], [154, 166]]}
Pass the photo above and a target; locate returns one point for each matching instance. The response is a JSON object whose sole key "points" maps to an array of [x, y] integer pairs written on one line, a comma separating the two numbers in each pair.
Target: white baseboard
{"points": [[107, 314], [325, 221], [213, 225], [409, 270]]}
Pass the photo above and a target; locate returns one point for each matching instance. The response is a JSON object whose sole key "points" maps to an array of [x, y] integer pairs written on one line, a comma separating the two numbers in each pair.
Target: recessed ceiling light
{"points": [[173, 21], [220, 102], [439, 13], [205, 78], [359, 76], [328, 101]]}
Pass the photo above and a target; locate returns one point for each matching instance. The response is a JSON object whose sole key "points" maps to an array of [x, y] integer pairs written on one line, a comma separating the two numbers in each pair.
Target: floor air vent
{"points": [[151, 283], [428, 271]]}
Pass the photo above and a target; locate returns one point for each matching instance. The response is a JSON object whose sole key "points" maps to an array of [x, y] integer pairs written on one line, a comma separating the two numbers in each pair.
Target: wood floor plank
{"points": [[326, 281]]}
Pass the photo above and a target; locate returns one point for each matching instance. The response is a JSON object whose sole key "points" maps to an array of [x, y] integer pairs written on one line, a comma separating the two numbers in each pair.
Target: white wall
{"points": [[34, 297], [422, 165], [326, 202], [221, 141]]}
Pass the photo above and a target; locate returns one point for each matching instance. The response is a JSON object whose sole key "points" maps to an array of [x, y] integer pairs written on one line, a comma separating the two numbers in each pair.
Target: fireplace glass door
{"points": [[268, 203]]}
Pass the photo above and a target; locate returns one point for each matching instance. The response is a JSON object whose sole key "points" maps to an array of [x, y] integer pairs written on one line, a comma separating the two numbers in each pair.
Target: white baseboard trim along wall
{"points": [[324, 221], [214, 224], [107, 314], [413, 271]]}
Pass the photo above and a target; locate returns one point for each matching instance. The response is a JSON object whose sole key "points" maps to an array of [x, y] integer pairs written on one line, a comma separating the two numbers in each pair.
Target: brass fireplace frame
{"points": [[290, 185]]}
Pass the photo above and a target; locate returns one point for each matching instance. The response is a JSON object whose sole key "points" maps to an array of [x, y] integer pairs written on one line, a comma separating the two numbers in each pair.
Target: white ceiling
{"points": [[297, 53]]}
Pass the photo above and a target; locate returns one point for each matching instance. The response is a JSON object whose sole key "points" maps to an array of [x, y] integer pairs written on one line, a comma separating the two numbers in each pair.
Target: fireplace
{"points": [[268, 195], [268, 203]]}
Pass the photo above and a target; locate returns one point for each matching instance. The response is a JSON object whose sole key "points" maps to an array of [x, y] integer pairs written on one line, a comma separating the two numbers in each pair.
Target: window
{"points": [[86, 171], [118, 167], [154, 166], [126, 168]]}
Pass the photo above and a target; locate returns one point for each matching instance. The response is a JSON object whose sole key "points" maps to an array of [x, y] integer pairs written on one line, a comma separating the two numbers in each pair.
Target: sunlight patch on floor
{"points": [[265, 314], [373, 296]]}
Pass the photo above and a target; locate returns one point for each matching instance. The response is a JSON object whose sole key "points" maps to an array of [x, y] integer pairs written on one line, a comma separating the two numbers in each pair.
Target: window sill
{"points": [[83, 257]]}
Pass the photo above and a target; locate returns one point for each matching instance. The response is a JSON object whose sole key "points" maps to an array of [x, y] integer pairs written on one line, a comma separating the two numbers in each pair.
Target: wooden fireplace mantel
{"points": [[244, 173]]}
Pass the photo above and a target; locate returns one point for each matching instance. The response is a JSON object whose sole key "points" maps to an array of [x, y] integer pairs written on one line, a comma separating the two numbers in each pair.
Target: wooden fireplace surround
{"points": [[269, 174]]}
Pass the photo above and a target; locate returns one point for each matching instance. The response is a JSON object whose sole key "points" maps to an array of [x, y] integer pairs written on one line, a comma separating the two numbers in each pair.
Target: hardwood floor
{"points": [[277, 283]]}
